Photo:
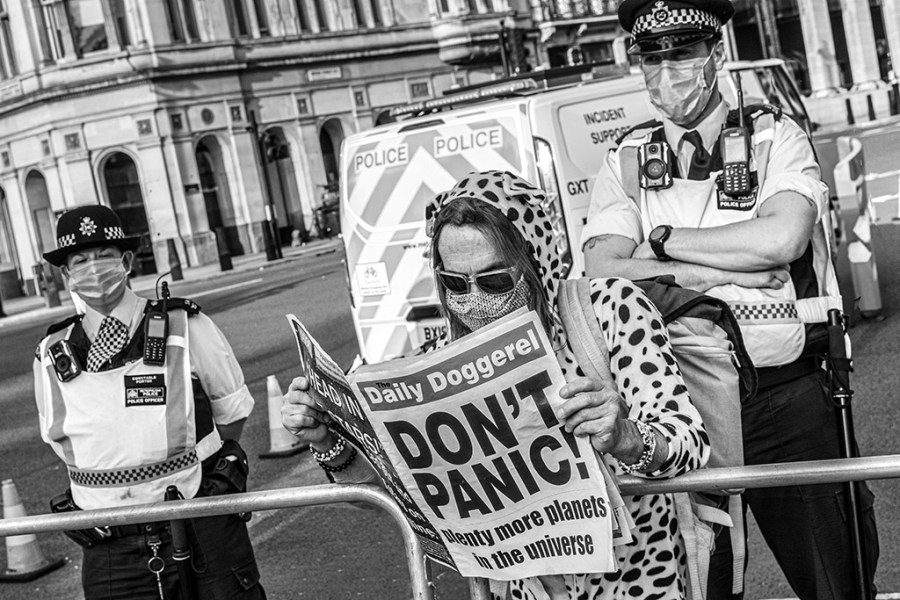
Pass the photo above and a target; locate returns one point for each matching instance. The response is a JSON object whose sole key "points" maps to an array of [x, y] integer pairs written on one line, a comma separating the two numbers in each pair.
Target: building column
{"points": [[861, 42], [162, 219], [20, 222], [155, 16], [891, 11], [824, 77], [248, 193]]}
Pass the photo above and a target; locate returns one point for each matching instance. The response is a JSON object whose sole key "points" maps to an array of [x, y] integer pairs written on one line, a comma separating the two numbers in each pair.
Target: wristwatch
{"points": [[657, 238]]}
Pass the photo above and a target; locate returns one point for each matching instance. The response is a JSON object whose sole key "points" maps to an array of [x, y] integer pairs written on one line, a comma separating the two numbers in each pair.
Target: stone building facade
{"points": [[199, 120]]}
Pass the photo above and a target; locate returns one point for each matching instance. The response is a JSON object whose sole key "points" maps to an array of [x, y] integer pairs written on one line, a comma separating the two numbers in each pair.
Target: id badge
{"points": [[145, 390]]}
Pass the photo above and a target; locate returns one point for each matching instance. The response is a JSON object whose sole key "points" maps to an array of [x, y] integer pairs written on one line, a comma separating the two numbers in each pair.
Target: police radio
{"points": [[735, 146], [156, 330]]}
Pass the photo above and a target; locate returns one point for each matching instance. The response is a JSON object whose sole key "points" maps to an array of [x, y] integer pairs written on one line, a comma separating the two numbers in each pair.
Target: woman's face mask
{"points": [[680, 89], [99, 281], [476, 308]]}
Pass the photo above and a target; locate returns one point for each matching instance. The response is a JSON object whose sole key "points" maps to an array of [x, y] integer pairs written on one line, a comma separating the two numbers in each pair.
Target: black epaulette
{"points": [[651, 124], [57, 327], [189, 306], [63, 324], [751, 113]]}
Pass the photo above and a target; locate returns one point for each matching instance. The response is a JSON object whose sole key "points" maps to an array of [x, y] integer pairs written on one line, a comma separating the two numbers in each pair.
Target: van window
{"points": [[780, 91]]}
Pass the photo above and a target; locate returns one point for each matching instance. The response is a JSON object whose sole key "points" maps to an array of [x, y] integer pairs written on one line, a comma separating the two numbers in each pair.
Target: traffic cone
{"points": [[24, 560], [281, 441]]}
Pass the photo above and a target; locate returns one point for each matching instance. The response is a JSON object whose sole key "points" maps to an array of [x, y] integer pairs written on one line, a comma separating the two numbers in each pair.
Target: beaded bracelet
{"points": [[649, 439], [333, 453], [343, 465]]}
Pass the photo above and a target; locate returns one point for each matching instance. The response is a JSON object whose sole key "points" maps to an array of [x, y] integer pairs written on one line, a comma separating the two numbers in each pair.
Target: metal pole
{"points": [[237, 503], [271, 253], [504, 57], [839, 366]]}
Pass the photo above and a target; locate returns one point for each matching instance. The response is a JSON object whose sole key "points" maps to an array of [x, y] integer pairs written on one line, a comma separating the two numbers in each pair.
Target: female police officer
{"points": [[134, 397]]}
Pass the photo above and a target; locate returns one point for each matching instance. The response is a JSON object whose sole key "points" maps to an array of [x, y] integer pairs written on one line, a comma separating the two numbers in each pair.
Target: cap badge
{"points": [[87, 227], [660, 12]]}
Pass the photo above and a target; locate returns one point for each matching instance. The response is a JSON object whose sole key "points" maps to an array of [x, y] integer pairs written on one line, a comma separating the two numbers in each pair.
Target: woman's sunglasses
{"points": [[499, 281]]}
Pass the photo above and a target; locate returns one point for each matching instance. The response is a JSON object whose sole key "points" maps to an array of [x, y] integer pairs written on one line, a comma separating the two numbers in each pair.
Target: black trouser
{"points": [[806, 527], [222, 560]]}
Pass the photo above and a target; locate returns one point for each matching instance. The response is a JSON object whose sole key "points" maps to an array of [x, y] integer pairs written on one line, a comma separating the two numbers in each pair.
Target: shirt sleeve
{"points": [[643, 365], [792, 166], [214, 363], [611, 211], [37, 369]]}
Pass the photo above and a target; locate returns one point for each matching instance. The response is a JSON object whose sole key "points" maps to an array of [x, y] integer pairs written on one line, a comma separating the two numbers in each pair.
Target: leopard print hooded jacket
{"points": [[653, 566]]}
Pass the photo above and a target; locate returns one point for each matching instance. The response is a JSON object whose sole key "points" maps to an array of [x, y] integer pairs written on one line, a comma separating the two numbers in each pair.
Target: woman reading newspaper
{"points": [[493, 252]]}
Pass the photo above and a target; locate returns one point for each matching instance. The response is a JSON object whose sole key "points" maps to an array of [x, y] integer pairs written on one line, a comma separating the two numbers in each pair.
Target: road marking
{"points": [[885, 198], [874, 176], [226, 288]]}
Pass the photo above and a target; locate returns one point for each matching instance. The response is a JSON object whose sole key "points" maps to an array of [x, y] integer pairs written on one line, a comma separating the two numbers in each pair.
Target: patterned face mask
{"points": [[476, 308]]}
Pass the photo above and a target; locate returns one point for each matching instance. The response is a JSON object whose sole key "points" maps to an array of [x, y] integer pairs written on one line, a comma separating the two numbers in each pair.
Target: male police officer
{"points": [[746, 227], [136, 396]]}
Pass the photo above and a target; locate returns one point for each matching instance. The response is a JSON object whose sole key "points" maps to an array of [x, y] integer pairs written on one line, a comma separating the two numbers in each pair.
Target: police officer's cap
{"points": [[661, 25], [88, 227]]}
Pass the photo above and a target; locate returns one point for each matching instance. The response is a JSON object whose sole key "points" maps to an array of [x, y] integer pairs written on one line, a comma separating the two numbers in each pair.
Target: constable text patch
{"points": [[145, 390]]}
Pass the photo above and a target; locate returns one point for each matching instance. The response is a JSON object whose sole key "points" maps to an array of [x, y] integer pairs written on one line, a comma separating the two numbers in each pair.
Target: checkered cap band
{"points": [[678, 18], [766, 311], [120, 477], [113, 233], [66, 240]]}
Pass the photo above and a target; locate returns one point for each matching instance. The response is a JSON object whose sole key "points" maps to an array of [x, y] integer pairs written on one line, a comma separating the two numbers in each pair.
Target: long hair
{"points": [[504, 236]]}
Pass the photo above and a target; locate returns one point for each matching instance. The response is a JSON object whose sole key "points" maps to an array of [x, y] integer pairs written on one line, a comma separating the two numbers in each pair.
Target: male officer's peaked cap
{"points": [[663, 25], [89, 227]]}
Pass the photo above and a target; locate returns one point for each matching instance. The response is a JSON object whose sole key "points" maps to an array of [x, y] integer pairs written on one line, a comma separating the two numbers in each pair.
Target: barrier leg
{"points": [[479, 589]]}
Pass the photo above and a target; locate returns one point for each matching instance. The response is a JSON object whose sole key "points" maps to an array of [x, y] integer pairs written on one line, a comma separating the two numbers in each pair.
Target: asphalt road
{"points": [[341, 551], [324, 553]]}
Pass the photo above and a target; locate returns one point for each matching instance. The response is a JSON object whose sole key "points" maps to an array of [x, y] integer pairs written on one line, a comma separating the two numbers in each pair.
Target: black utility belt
{"points": [[119, 531], [86, 538], [772, 376]]}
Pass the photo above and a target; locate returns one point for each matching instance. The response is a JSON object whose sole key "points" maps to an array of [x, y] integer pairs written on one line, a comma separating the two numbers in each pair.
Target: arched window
{"points": [[123, 190]]}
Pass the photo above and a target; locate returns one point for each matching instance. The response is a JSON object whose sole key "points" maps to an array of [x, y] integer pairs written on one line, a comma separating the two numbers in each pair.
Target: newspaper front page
{"points": [[473, 434]]}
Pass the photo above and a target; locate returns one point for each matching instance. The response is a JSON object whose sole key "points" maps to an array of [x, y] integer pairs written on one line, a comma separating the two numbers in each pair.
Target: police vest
{"points": [[778, 326], [128, 433]]}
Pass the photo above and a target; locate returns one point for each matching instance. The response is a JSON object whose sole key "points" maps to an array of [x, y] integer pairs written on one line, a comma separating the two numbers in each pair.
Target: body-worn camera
{"points": [[64, 361], [653, 165]]}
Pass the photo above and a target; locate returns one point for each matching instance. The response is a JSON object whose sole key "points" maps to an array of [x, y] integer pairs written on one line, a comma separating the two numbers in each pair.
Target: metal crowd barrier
{"points": [[857, 213], [236, 503], [797, 473]]}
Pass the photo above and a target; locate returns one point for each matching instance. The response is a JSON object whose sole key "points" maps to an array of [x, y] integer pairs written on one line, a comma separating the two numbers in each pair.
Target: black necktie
{"points": [[701, 161]]}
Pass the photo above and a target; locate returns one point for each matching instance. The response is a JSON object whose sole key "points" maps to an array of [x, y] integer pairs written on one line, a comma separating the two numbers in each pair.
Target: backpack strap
{"points": [[738, 548], [674, 301], [583, 330]]}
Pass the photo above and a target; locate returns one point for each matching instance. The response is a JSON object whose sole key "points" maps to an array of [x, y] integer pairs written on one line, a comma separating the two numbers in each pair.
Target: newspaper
{"points": [[467, 439]]}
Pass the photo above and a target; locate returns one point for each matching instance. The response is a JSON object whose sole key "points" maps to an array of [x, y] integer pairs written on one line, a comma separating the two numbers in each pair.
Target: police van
{"points": [[553, 128]]}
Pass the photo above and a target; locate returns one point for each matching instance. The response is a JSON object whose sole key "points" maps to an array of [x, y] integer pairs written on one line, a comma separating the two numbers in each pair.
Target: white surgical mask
{"points": [[98, 281], [679, 89], [476, 308]]}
